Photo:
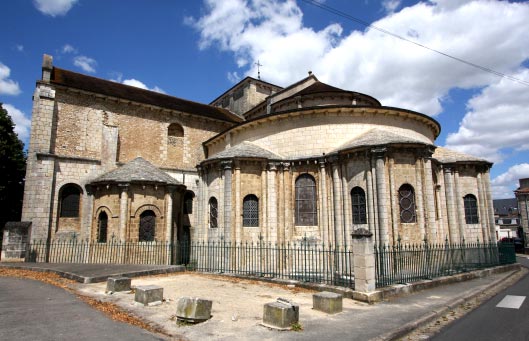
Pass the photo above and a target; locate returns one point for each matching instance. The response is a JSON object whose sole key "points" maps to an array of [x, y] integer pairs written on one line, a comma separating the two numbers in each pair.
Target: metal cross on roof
{"points": [[258, 69]]}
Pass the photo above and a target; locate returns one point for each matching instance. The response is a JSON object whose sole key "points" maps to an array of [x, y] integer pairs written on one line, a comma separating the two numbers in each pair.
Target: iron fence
{"points": [[410, 263]]}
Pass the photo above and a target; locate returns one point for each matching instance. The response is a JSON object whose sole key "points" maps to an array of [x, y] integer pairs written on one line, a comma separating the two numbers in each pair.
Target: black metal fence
{"points": [[305, 261], [411, 263]]}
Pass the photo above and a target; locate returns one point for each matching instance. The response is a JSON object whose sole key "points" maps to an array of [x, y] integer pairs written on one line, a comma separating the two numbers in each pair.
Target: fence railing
{"points": [[410, 263], [305, 261]]}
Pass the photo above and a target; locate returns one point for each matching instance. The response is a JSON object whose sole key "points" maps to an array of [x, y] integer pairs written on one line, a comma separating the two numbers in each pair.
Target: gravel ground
{"points": [[237, 305]]}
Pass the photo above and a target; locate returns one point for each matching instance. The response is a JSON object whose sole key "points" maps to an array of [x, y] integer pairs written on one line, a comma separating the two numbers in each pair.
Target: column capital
{"points": [[285, 166], [272, 166], [226, 165], [379, 152]]}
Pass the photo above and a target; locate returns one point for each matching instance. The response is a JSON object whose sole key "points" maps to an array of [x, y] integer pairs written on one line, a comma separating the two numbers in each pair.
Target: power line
{"points": [[366, 24]]}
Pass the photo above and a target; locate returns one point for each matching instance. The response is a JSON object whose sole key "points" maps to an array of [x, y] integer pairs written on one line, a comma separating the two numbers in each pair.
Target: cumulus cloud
{"points": [[503, 185], [67, 48], [139, 84], [496, 123], [20, 48], [86, 63], [54, 8], [390, 6], [7, 85], [370, 61], [22, 122]]}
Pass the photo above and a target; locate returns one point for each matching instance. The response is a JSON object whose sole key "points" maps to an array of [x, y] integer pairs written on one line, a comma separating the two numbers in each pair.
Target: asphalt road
{"points": [[33, 310], [503, 317]]}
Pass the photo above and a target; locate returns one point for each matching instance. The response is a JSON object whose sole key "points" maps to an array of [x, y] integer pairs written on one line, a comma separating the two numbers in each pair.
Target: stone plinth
{"points": [[328, 302], [15, 240], [363, 261], [193, 309], [280, 314], [149, 294], [116, 284]]}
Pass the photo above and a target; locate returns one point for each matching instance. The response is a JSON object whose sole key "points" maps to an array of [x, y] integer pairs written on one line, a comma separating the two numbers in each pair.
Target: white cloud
{"points": [[233, 77], [390, 6], [86, 63], [497, 121], [504, 184], [7, 86], [397, 73], [139, 84], [22, 122], [67, 48], [54, 8], [20, 48]]}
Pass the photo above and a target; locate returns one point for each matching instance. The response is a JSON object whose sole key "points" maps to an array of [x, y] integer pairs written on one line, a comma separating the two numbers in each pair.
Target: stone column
{"points": [[429, 196], [419, 195], [169, 215], [324, 225], [287, 204], [272, 202], [393, 202], [482, 210], [364, 261], [123, 211], [370, 206], [337, 202], [488, 195], [450, 206], [281, 206], [264, 206], [459, 205], [382, 196], [347, 211], [226, 166], [238, 202]]}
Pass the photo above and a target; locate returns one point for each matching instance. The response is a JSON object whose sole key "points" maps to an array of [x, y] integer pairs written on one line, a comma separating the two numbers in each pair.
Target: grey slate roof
{"points": [[378, 137], [245, 150], [445, 155], [138, 170], [504, 207]]}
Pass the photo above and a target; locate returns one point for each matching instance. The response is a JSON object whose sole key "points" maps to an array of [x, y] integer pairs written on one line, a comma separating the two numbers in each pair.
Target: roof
{"points": [[247, 78], [504, 207], [378, 137], [319, 87], [118, 90], [445, 155], [138, 170], [245, 150]]}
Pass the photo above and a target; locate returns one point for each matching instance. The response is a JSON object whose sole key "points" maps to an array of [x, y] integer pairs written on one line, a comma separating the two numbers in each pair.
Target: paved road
{"points": [[32, 310], [504, 317]]}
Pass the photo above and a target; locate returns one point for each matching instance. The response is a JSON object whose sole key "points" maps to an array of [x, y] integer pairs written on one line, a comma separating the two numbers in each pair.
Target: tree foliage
{"points": [[12, 170]]}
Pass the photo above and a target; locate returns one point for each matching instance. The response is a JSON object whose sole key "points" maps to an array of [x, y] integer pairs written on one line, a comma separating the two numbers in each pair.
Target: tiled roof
{"points": [[138, 170], [505, 206], [378, 137], [245, 150], [131, 93], [445, 155]]}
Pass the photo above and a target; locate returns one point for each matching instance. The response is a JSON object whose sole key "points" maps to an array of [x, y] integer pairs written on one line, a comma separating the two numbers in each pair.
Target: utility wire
{"points": [[318, 3]]}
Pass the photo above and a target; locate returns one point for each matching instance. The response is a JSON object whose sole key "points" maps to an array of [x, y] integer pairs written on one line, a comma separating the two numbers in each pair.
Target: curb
{"points": [[409, 327], [102, 278]]}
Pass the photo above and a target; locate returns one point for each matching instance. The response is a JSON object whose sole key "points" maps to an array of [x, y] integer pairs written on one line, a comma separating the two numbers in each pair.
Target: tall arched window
{"points": [[213, 212], [407, 204], [358, 202], [102, 227], [250, 211], [70, 198], [306, 201], [147, 226], [174, 131], [188, 202], [471, 209]]}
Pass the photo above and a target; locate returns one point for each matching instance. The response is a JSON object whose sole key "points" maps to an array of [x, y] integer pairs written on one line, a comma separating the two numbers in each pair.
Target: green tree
{"points": [[12, 171]]}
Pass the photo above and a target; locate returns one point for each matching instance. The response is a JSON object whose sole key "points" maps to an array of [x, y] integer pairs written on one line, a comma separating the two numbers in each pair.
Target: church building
{"points": [[107, 161]]}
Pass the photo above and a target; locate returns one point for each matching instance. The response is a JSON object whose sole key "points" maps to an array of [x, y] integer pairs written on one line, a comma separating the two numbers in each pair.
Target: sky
{"points": [[198, 49]]}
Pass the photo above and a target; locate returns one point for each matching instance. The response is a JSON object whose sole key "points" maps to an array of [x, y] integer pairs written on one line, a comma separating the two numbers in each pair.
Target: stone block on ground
{"points": [[117, 284], [193, 309], [281, 314], [328, 302], [148, 294]]}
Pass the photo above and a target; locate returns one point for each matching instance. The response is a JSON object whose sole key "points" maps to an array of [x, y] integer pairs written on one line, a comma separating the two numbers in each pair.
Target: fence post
{"points": [[363, 261]]}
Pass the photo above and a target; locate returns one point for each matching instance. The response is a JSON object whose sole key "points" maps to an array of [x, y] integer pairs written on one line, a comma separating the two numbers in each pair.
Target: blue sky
{"points": [[198, 49]]}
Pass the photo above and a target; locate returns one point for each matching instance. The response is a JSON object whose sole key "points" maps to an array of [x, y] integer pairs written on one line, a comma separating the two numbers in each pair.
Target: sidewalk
{"points": [[238, 306]]}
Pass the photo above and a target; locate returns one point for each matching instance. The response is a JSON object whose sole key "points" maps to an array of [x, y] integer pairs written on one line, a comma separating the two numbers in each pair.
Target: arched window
{"points": [[188, 202], [213, 212], [102, 227], [70, 198], [471, 209], [174, 130], [147, 226], [358, 202], [250, 211], [407, 204], [306, 201]]}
